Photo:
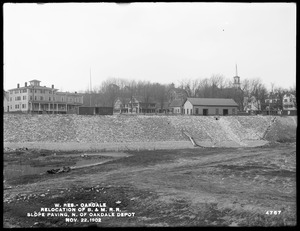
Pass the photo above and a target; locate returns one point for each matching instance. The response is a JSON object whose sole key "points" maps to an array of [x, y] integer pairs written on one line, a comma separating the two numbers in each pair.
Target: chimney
{"points": [[18, 85], [25, 84], [52, 85]]}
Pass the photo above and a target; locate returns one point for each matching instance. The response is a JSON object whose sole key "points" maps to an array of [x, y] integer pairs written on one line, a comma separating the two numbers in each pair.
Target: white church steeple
{"points": [[236, 78]]}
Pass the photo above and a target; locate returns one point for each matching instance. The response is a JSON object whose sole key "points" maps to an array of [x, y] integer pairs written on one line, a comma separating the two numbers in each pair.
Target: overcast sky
{"points": [[58, 43]]}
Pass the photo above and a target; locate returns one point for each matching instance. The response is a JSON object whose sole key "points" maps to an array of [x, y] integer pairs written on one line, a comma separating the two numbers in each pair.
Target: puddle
{"points": [[15, 170], [109, 154], [88, 163]]}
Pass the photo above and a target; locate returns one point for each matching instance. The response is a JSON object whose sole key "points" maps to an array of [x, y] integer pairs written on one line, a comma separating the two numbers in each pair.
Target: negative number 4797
{"points": [[273, 212]]}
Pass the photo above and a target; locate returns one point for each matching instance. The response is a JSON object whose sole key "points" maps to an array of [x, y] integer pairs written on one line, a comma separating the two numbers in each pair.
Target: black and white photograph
{"points": [[149, 114]]}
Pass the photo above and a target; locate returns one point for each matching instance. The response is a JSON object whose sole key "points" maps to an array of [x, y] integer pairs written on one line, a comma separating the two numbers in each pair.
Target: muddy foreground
{"points": [[186, 187]]}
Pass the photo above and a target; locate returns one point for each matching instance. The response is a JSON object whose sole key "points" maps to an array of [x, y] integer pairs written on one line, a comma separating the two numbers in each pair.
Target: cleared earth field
{"points": [[190, 187]]}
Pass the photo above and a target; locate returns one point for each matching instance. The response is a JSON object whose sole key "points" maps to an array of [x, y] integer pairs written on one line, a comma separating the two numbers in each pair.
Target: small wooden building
{"points": [[95, 111], [176, 106], [210, 106]]}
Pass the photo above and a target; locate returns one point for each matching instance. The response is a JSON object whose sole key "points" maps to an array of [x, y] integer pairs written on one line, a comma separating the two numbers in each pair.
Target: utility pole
{"points": [[32, 102], [53, 101], [90, 87]]}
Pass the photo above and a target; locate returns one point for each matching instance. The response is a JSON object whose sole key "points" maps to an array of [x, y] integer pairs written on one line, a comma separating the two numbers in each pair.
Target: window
{"points": [[191, 111], [24, 90], [17, 106], [30, 97], [17, 91], [41, 97], [217, 111], [49, 98], [23, 105], [62, 99], [34, 97], [10, 99], [187, 111], [34, 91], [285, 100], [11, 92], [233, 110], [24, 97], [18, 98], [30, 90]]}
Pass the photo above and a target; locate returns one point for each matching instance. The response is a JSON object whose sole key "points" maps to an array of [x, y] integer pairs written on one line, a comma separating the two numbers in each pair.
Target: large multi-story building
{"points": [[5, 101], [34, 98], [289, 104], [176, 93]]}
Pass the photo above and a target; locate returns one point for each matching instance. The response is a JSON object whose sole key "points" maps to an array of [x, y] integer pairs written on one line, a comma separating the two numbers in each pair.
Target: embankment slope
{"points": [[143, 131]]}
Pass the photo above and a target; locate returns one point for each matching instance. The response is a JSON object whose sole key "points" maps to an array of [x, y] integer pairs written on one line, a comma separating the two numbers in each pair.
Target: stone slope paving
{"points": [[140, 128], [254, 125]]}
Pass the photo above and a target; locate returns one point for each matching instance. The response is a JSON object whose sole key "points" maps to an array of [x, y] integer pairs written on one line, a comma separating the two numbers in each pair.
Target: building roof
{"points": [[5, 94], [178, 91], [34, 87], [287, 95], [177, 103], [69, 93], [142, 100], [212, 102], [165, 105]]}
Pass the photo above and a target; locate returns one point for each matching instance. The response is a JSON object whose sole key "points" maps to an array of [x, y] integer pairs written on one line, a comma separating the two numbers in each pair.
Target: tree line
{"points": [[217, 86]]}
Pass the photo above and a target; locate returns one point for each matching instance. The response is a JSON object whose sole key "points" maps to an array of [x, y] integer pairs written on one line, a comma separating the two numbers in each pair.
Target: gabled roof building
{"points": [[176, 106], [210, 106], [137, 104]]}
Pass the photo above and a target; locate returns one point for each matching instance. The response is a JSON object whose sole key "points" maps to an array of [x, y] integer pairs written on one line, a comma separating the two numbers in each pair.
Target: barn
{"points": [[210, 106]]}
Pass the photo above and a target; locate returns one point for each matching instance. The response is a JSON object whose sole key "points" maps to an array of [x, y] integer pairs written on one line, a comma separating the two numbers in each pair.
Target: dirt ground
{"points": [[181, 187]]}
